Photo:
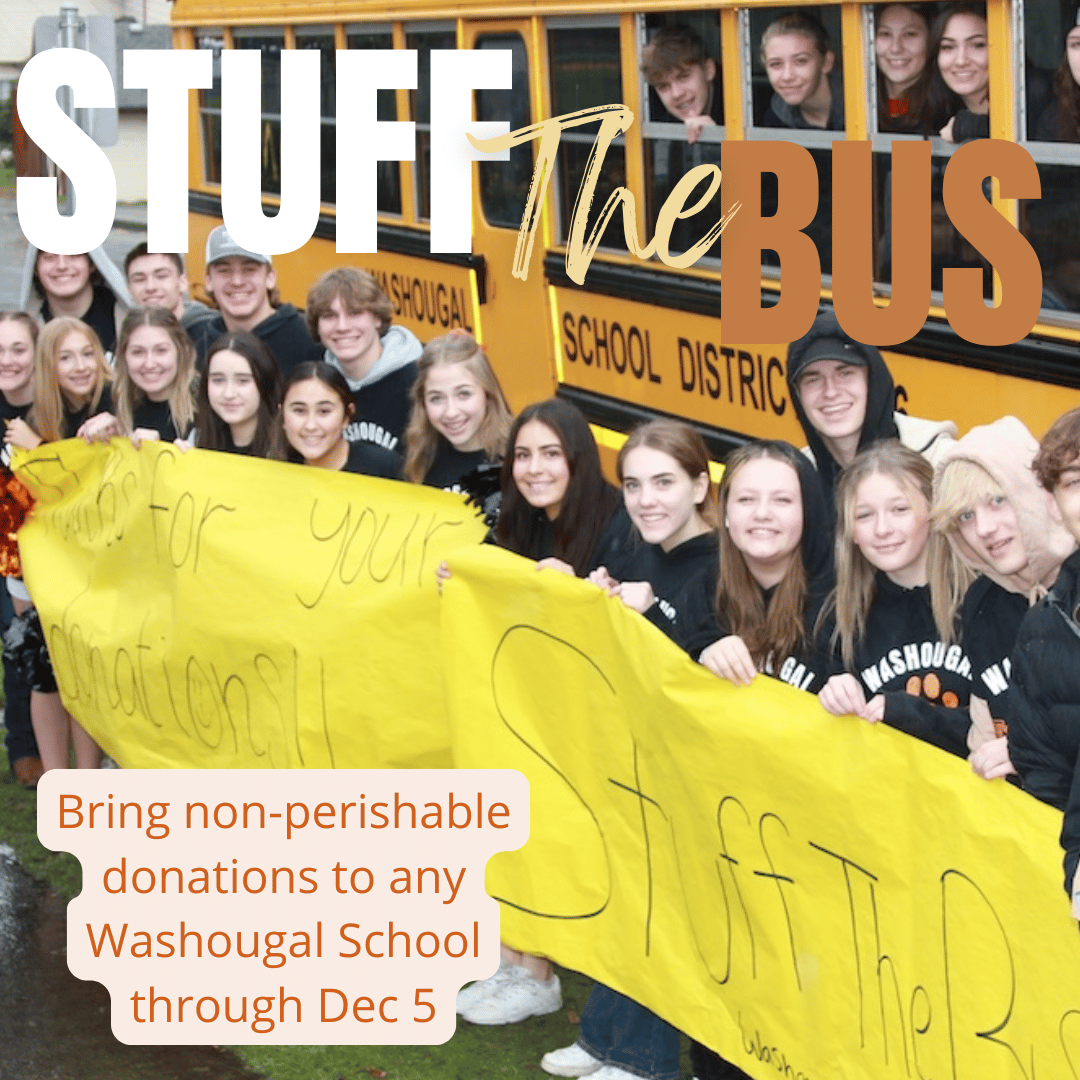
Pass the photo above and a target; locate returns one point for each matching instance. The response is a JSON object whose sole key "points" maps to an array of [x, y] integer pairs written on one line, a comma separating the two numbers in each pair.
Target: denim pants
{"points": [[621, 1032]]}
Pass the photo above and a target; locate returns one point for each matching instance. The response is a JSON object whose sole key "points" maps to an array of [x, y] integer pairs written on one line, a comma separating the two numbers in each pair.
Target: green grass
{"points": [[474, 1053], [7, 179]]}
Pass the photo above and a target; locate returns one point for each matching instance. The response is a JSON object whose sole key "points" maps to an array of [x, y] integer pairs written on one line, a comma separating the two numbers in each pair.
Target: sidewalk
{"points": [[129, 227]]}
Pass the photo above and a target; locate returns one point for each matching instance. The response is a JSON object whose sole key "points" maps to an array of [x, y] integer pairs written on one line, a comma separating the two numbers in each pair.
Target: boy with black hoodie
{"points": [[1044, 702], [244, 286], [845, 400]]}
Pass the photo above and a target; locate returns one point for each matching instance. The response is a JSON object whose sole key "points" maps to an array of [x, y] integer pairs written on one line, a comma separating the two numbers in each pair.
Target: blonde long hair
{"points": [[47, 415], [127, 397], [421, 439], [855, 577]]}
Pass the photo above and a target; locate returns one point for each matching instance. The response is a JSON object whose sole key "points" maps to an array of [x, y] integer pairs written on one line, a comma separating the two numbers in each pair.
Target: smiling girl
{"points": [[460, 419], [155, 376], [960, 74], [240, 399], [316, 408], [664, 470], [897, 666], [775, 570], [901, 47]]}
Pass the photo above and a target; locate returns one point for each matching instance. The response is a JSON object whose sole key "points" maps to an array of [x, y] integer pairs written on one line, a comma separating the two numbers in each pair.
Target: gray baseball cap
{"points": [[220, 245]]}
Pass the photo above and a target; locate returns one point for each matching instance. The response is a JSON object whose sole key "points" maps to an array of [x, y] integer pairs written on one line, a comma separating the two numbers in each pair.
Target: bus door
{"points": [[515, 321]]}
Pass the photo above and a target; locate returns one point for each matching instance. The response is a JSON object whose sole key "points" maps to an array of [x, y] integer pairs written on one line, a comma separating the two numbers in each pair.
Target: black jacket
{"points": [[1044, 705]]}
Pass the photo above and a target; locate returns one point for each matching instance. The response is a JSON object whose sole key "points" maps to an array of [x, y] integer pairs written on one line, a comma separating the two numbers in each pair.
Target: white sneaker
{"points": [[516, 998], [477, 991], [571, 1060]]}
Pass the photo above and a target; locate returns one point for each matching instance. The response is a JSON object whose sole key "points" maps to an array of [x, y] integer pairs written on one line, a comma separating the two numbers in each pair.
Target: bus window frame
{"points": [[561, 214]]}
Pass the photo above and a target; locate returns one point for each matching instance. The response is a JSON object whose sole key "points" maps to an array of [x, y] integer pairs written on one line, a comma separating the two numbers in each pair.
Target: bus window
{"points": [[1051, 97], [322, 38], [210, 107], [680, 68], [424, 38], [271, 42], [913, 93], [504, 185], [586, 70], [388, 184], [797, 93]]}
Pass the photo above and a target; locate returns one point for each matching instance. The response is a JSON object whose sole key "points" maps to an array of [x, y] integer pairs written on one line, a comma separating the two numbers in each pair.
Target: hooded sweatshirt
{"points": [[700, 624], [781, 114], [110, 303], [995, 604], [383, 396], [283, 332], [882, 421]]}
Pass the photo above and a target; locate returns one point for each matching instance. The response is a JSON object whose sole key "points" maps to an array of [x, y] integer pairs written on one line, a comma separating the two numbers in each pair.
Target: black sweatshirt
{"points": [[670, 573], [990, 619], [926, 683]]}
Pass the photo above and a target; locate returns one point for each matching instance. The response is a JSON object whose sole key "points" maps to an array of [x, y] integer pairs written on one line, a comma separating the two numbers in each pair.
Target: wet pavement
{"points": [[56, 1027]]}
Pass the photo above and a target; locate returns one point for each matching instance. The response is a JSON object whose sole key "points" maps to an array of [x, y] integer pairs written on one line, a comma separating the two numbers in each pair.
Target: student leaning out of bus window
{"points": [[315, 410], [901, 46], [460, 419], [18, 340], [1044, 721], [240, 399], [808, 91], [664, 470], [845, 400], [685, 78], [351, 317], [897, 667], [994, 514], [153, 391], [775, 571], [960, 74], [1060, 122]]}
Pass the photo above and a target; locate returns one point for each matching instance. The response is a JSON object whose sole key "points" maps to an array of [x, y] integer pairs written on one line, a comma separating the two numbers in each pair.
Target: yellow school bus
{"points": [[639, 338]]}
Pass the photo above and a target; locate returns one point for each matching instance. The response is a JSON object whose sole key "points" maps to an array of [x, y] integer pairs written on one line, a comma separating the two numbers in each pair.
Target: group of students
{"points": [[932, 74], [888, 567], [893, 570]]}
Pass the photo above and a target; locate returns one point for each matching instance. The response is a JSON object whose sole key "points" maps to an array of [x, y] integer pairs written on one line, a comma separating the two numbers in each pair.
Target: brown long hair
{"points": [[941, 102], [1067, 95], [590, 500], [47, 415], [127, 397], [915, 96], [780, 630], [685, 446], [421, 439]]}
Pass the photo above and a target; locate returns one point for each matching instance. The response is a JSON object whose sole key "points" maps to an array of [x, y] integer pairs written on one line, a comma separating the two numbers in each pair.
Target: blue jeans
{"points": [[621, 1032]]}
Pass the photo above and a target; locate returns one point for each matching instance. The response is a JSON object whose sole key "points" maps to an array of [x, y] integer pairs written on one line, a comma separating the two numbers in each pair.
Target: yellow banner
{"points": [[211, 610], [812, 896]]}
